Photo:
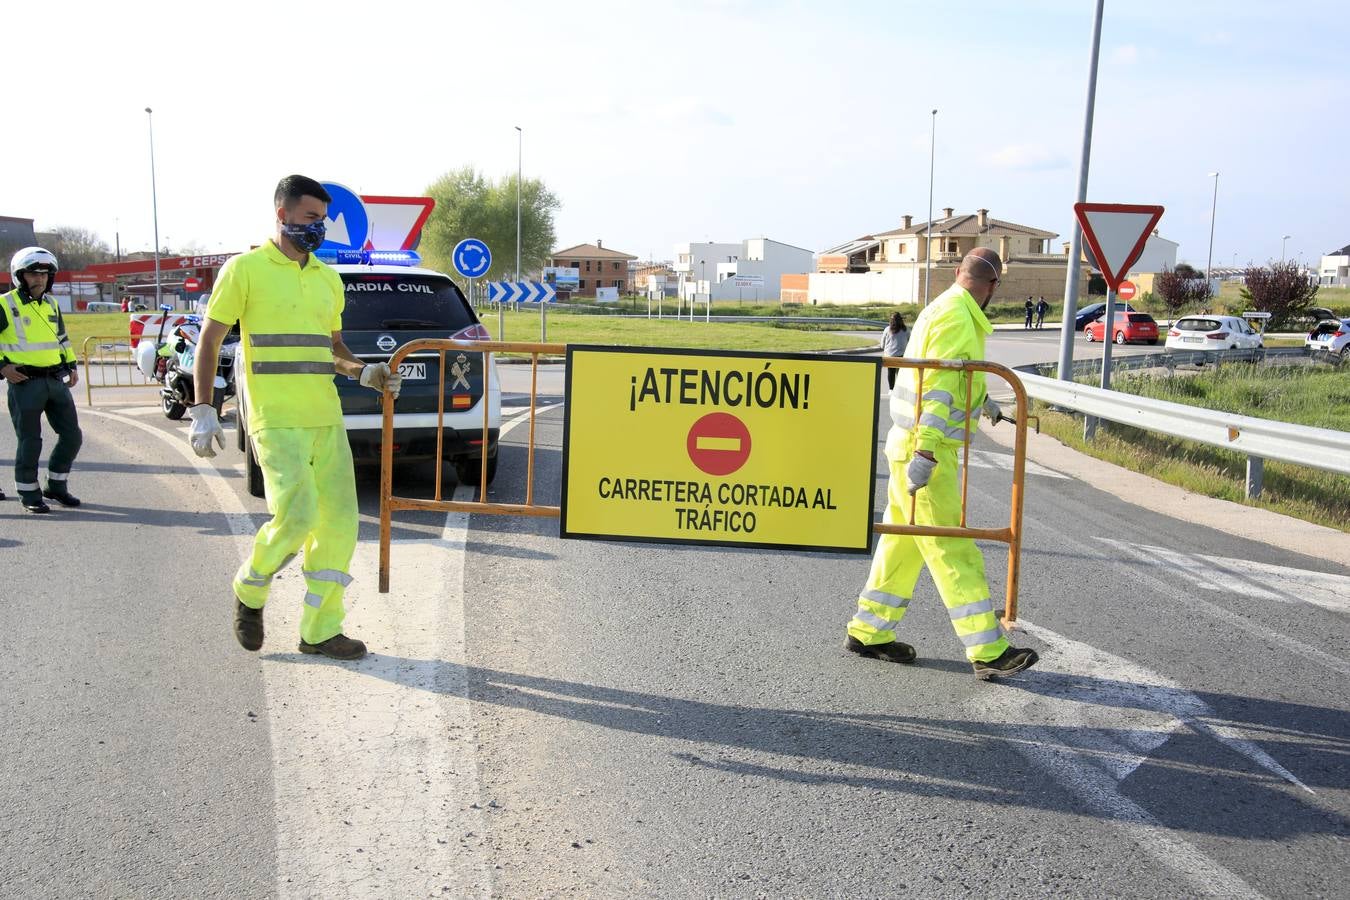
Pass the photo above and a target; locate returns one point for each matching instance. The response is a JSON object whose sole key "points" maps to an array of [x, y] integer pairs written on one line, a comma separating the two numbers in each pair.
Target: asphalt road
{"points": [[543, 717]]}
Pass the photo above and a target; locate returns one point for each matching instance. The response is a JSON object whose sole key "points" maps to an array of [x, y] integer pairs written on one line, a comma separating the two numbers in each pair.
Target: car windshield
{"points": [[1198, 325], [381, 302]]}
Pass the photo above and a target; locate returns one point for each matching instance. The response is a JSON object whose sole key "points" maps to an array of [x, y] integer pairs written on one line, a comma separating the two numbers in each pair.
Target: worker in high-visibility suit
{"points": [[924, 464], [289, 307], [38, 362]]}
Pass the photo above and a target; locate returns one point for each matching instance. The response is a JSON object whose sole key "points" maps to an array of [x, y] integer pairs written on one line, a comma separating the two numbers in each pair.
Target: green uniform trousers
{"points": [[28, 401], [956, 564], [311, 494]]}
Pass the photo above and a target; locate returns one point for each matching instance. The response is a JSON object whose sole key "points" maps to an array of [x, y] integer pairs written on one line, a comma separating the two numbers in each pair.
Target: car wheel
{"points": [[468, 471], [1234, 347], [1087, 335], [1153, 343], [1120, 337], [253, 471], [1345, 353]]}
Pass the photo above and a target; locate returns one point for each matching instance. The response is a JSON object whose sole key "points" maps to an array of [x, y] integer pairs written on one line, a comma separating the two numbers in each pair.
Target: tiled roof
{"points": [[591, 251]]}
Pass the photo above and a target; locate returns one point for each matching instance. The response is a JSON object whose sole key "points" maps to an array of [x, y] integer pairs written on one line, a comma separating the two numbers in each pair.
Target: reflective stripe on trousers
{"points": [[956, 564]]}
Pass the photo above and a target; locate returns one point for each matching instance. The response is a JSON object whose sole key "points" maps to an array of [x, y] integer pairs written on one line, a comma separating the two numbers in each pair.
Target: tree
{"points": [[79, 247], [1186, 270], [1181, 288], [469, 205], [1281, 289]]}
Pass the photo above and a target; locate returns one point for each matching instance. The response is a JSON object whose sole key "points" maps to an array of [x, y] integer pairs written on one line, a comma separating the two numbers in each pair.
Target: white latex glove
{"points": [[205, 428], [918, 472], [379, 377], [993, 412]]}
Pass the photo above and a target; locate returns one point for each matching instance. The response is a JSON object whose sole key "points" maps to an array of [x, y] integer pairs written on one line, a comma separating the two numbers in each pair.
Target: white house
{"points": [[1335, 268], [1159, 255], [750, 270]]}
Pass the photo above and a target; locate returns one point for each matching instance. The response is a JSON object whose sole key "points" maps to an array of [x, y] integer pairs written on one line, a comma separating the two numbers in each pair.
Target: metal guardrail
{"points": [[1259, 439], [1171, 359], [1012, 535], [115, 357]]}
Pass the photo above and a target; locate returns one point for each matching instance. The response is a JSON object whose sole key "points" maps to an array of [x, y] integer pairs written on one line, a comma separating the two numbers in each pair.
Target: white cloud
{"points": [[1126, 55], [1027, 158], [1216, 38]]}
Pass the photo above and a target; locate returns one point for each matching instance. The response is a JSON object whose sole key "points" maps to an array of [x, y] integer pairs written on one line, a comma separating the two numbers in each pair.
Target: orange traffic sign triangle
{"points": [[1116, 234]]}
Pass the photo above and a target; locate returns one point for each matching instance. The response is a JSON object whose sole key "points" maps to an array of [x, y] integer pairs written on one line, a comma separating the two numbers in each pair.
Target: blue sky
{"points": [[655, 123]]}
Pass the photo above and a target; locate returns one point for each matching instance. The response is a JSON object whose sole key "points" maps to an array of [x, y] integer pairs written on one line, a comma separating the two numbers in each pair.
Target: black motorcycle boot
{"points": [[1009, 662], [33, 502], [248, 626], [339, 646], [891, 651], [56, 490]]}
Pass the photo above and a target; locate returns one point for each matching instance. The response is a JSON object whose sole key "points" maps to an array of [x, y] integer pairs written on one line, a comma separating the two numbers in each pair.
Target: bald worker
{"points": [[923, 463]]}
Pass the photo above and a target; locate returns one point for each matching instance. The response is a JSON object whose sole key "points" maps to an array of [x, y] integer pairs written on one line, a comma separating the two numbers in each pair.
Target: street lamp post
{"points": [[1283, 242], [154, 203], [520, 138], [1213, 207], [928, 239], [703, 283]]}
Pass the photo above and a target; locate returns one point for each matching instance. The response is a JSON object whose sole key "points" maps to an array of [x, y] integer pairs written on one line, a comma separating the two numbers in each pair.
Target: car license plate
{"points": [[413, 371], [1192, 340]]}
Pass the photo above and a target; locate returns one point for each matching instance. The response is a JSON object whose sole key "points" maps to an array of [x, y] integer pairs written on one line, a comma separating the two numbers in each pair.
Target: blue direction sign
{"points": [[348, 222], [521, 292], [472, 258]]}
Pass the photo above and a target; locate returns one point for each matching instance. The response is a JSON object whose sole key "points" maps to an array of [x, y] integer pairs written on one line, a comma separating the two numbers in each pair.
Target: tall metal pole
{"points": [[928, 240], [1213, 207], [520, 138], [1076, 244], [1283, 242], [154, 204]]}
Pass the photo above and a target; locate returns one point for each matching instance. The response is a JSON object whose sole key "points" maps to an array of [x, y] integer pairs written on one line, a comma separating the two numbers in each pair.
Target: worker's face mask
{"points": [[306, 238]]}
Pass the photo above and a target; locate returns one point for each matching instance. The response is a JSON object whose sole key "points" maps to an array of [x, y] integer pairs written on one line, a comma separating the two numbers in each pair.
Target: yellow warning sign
{"points": [[718, 447]]}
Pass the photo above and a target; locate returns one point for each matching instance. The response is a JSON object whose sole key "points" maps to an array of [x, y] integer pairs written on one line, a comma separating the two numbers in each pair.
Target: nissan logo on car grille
{"points": [[386, 342]]}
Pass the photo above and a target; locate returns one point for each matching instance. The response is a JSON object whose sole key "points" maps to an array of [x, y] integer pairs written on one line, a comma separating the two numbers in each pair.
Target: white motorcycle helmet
{"points": [[31, 258]]}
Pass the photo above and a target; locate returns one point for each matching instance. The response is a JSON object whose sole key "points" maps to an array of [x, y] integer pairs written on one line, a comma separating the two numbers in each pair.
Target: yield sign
{"points": [[1116, 234]]}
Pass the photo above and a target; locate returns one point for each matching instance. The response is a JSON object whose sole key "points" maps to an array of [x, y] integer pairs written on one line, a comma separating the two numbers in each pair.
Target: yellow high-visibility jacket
{"points": [[952, 327]]}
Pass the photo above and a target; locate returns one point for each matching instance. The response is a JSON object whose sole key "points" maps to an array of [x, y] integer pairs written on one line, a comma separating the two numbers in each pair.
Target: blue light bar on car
{"points": [[333, 256]]}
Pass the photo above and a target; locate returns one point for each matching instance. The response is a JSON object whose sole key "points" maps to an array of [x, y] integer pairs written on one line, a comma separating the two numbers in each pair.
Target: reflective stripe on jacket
{"points": [[34, 333]]}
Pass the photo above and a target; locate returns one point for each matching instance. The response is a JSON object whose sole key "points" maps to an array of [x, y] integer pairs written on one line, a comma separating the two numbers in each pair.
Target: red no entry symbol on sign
{"points": [[718, 443]]}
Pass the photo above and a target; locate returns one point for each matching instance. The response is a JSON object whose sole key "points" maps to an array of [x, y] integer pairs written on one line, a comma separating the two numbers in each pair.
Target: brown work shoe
{"points": [[891, 651], [339, 646], [248, 626], [1009, 662]]}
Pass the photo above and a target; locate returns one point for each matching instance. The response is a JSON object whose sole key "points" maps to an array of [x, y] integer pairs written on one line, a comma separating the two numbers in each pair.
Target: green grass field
{"points": [[1317, 397]]}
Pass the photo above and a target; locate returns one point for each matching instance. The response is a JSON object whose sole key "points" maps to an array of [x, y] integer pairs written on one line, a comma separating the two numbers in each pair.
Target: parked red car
{"points": [[1129, 326]]}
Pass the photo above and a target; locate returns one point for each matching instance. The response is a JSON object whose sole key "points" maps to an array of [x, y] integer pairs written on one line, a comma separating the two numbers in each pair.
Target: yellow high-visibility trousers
{"points": [[311, 494], [956, 564]]}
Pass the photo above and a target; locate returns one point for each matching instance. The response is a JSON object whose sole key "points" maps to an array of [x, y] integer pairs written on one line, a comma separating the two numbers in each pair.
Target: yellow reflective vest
{"points": [[952, 327], [287, 315], [34, 333]]}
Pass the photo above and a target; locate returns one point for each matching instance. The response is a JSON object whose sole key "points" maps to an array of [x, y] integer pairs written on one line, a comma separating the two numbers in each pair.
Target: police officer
{"points": [[289, 308], [37, 361], [923, 463]]}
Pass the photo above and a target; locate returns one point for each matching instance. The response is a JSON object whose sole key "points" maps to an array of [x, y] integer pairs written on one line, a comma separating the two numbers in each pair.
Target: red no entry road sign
{"points": [[718, 443], [1116, 234], [192, 284], [1126, 291]]}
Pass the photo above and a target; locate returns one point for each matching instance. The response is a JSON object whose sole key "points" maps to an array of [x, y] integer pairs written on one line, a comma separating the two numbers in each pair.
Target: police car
{"points": [[390, 302]]}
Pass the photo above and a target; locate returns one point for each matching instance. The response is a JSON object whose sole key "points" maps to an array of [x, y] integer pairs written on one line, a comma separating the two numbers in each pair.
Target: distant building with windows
{"points": [[597, 266]]}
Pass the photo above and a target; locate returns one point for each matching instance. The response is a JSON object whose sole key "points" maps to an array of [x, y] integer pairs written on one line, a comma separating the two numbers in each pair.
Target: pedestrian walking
{"points": [[924, 464], [289, 308], [38, 362], [894, 337], [1041, 309], [1029, 308]]}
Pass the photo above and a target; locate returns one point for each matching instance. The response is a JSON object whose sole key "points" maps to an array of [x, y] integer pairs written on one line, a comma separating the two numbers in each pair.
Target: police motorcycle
{"points": [[170, 363]]}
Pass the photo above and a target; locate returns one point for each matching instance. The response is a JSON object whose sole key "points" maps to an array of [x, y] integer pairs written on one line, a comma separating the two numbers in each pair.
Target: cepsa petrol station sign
{"points": [[713, 447]]}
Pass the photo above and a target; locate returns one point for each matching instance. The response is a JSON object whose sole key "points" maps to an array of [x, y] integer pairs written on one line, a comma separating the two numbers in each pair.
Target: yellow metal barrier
{"points": [[1012, 535], [115, 357]]}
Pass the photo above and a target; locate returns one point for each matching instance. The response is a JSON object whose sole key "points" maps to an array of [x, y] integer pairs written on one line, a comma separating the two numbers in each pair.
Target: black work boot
{"points": [[33, 502], [892, 651], [339, 646], [1009, 662], [56, 490], [248, 626]]}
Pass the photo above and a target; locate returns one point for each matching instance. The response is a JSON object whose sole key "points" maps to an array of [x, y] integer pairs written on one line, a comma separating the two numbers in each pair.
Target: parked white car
{"points": [[1212, 333], [1331, 336]]}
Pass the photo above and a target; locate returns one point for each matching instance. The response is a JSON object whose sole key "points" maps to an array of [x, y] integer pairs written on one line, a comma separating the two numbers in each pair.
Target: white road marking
{"points": [[1190, 598], [1260, 581], [988, 459], [375, 765]]}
